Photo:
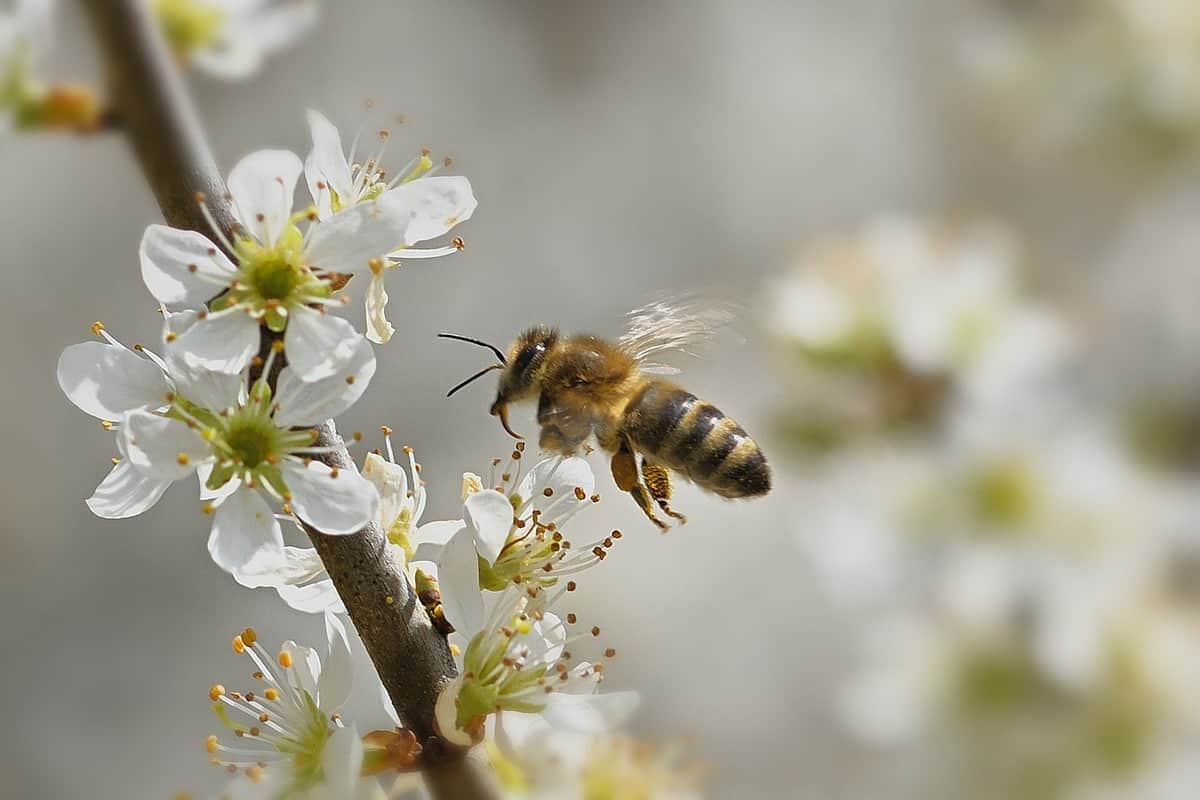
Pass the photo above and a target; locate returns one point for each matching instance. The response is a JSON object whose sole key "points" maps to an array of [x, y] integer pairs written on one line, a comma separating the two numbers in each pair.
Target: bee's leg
{"points": [[625, 473], [658, 480]]}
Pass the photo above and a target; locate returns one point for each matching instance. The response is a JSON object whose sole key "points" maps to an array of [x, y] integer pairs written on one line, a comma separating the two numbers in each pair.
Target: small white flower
{"points": [[517, 663], [290, 738], [173, 421], [437, 204], [300, 577], [512, 534], [229, 39]]}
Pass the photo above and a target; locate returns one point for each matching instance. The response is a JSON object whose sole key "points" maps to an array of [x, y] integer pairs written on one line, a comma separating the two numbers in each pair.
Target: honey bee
{"points": [[589, 387]]}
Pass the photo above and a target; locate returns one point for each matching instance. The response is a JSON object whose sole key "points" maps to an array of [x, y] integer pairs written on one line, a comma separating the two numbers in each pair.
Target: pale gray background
{"points": [[617, 149]]}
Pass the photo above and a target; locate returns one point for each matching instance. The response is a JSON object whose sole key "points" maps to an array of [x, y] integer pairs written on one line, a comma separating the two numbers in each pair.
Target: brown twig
{"points": [[412, 659]]}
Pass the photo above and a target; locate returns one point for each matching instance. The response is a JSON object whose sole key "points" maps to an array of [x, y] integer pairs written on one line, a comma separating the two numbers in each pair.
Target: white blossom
{"points": [[230, 39], [290, 740], [243, 440], [337, 182]]}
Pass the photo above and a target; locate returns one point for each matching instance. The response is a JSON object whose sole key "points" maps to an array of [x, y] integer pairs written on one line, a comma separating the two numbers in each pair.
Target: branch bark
{"points": [[412, 659]]}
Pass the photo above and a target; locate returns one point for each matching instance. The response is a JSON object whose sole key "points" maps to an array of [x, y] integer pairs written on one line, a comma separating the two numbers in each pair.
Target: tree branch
{"points": [[412, 659]]}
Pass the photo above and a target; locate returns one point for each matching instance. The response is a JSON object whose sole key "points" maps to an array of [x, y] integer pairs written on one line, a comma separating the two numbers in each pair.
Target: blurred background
{"points": [[964, 237]]}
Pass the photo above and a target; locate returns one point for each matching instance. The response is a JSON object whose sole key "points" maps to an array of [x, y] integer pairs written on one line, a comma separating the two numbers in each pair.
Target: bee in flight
{"points": [[587, 386]]}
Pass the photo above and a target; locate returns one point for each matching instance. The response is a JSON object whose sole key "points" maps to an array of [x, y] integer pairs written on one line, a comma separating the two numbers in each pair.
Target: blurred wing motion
{"points": [[681, 325]]}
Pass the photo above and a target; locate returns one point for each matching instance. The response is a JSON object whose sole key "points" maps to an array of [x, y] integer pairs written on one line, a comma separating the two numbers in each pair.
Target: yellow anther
{"points": [[115, 460], [277, 345], [375, 265], [264, 717], [459, 244], [271, 694], [285, 659], [171, 336], [97, 327], [239, 646], [210, 744], [255, 773], [182, 459], [215, 692], [208, 508], [333, 473], [386, 430], [455, 650], [249, 636]]}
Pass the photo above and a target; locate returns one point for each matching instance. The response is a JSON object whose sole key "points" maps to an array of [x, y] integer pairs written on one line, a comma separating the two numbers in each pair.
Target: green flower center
{"points": [[251, 439], [1005, 492], [187, 25], [273, 279]]}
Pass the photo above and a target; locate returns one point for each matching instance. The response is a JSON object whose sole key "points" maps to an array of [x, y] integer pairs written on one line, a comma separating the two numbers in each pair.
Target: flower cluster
{"points": [[1019, 581], [1113, 76], [900, 321]]}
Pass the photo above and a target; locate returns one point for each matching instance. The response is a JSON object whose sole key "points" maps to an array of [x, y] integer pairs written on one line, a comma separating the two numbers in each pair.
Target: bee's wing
{"points": [[679, 324], [567, 419]]}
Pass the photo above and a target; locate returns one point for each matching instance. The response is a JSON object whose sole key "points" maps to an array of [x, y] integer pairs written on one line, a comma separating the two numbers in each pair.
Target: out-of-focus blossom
{"points": [[337, 182], [230, 39], [894, 322], [174, 421], [1115, 76], [517, 663], [27, 102], [536, 761], [290, 740]]}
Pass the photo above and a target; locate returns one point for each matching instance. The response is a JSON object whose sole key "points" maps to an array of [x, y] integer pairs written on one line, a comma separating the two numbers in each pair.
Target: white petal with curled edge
{"points": [[347, 241], [432, 537], [589, 713], [392, 484], [263, 185], [182, 268], [106, 380], [305, 403], [491, 515], [207, 388], [322, 198], [221, 342], [323, 346], [312, 598], [333, 505], [244, 532], [203, 471], [125, 492], [389, 706], [379, 330], [430, 207], [341, 763], [561, 475], [547, 640], [160, 447], [445, 714], [333, 688], [458, 577], [327, 164]]}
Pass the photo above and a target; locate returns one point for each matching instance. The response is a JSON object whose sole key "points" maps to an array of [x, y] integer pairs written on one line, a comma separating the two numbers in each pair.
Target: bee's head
{"points": [[521, 369]]}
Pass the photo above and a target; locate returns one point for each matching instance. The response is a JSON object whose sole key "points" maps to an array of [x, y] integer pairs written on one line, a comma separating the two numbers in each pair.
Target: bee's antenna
{"points": [[491, 347], [479, 374]]}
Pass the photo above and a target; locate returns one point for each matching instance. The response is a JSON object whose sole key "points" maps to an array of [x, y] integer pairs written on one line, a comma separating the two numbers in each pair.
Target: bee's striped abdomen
{"points": [[674, 427]]}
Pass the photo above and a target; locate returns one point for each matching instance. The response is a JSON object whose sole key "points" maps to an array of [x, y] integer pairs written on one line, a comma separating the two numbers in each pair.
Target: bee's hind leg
{"points": [[625, 473], [658, 480]]}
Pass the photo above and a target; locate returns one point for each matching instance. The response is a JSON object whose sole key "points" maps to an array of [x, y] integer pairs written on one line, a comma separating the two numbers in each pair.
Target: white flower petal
{"points": [[429, 207], [244, 532], [379, 330], [160, 447], [547, 640], [203, 471], [125, 492], [389, 706], [391, 482], [182, 268], [221, 342], [458, 577], [561, 475], [432, 537], [348, 240], [106, 381], [263, 185], [589, 713], [491, 515], [327, 164], [321, 345], [279, 26], [310, 402], [333, 505], [341, 762], [215, 391], [333, 687], [445, 712], [312, 598]]}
